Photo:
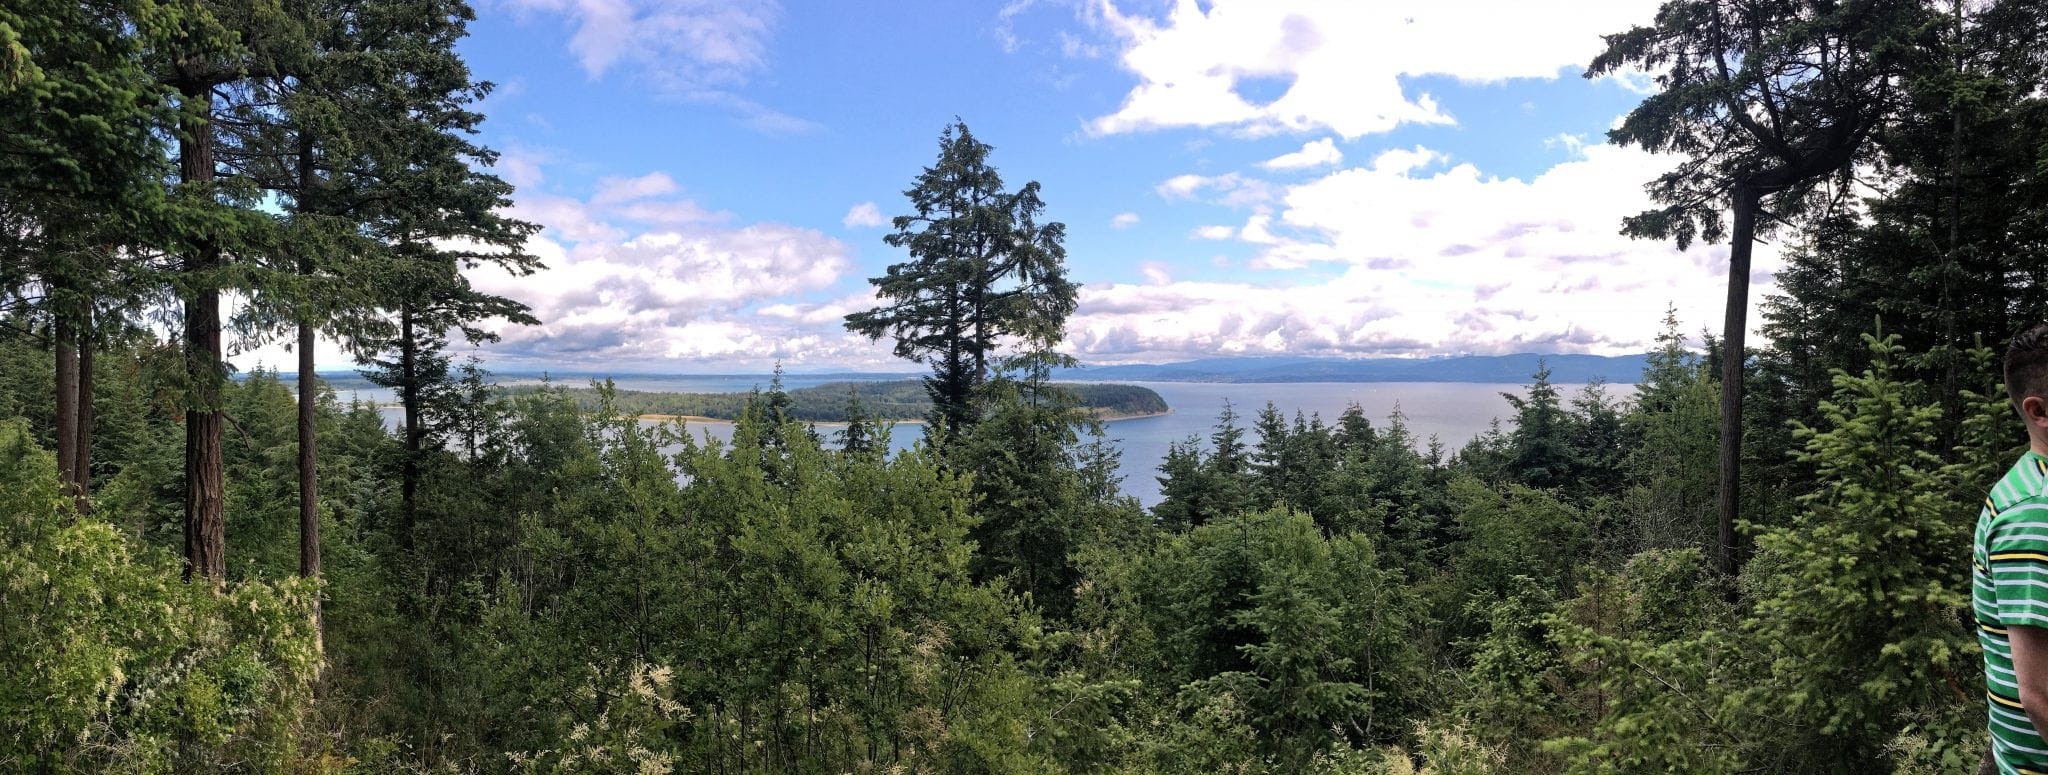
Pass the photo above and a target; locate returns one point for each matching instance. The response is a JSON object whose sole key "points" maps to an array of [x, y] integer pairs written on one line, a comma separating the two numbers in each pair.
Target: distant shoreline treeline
{"points": [[1502, 369], [892, 400]]}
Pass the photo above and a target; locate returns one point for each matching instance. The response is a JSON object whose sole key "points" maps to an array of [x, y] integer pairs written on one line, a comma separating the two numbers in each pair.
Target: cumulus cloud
{"points": [[637, 278], [1124, 220], [1194, 65], [1316, 153], [1214, 232], [865, 215], [1413, 254]]}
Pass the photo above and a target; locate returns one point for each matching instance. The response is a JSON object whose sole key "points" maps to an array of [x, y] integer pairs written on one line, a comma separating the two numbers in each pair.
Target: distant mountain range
{"points": [[1462, 368], [1517, 368]]}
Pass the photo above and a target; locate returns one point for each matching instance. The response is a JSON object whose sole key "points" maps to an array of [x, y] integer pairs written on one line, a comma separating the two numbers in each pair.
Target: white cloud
{"points": [[1214, 232], [611, 191], [695, 50], [1229, 188], [1316, 153], [1397, 161], [1571, 143], [1005, 31], [1409, 256], [1340, 61], [1124, 220], [638, 279], [520, 168], [865, 215], [683, 43], [1259, 230]]}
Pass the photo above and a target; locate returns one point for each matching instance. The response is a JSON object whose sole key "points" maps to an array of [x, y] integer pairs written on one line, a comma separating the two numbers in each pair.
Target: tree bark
{"points": [[65, 343], [1733, 330], [82, 448], [309, 439], [205, 486], [309, 473], [409, 396]]}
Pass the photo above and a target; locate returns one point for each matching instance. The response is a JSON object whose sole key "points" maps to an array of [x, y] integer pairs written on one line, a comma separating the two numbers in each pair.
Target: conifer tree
{"points": [[982, 269], [219, 45], [1354, 431], [1857, 646], [1539, 449], [859, 435], [1764, 103]]}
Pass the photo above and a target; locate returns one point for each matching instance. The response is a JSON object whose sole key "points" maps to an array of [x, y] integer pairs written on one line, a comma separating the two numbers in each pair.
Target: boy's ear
{"points": [[2035, 410]]}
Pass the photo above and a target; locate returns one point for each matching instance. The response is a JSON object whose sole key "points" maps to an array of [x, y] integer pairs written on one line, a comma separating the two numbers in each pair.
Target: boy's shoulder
{"points": [[2024, 486]]}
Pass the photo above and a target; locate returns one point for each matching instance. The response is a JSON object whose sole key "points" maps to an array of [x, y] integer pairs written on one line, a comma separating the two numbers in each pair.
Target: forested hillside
{"points": [[843, 401], [204, 574]]}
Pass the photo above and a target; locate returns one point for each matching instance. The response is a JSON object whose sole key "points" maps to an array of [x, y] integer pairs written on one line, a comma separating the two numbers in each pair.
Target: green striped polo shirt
{"points": [[2011, 588]]}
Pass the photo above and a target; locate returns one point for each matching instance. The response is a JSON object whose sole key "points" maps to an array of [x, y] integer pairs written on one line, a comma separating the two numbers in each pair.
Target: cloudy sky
{"points": [[1340, 178]]}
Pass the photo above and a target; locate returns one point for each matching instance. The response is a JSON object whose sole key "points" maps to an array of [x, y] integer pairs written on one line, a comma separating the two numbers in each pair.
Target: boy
{"points": [[2010, 574]]}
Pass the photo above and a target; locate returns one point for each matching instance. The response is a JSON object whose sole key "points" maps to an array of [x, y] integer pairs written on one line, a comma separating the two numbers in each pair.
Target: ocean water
{"points": [[1452, 412]]}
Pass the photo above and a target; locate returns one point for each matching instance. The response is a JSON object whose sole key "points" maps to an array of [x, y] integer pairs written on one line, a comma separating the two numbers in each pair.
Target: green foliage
{"points": [[1862, 598], [1852, 650], [1516, 536], [816, 610], [1027, 488], [1671, 464], [1772, 98], [1539, 452], [110, 663], [1302, 638]]}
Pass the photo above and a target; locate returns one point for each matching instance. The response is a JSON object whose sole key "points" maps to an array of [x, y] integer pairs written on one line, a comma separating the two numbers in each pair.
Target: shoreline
{"points": [[694, 419]]}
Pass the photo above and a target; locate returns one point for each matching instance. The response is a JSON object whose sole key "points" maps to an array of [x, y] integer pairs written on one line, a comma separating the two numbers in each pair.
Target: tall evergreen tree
{"points": [[1764, 103], [221, 53], [434, 212], [1539, 449], [81, 164], [982, 269]]}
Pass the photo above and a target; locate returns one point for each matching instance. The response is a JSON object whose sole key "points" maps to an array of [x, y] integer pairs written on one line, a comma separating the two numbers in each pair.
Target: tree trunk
{"points": [[65, 342], [409, 396], [1733, 328], [309, 472], [205, 490], [82, 448], [309, 397], [309, 438]]}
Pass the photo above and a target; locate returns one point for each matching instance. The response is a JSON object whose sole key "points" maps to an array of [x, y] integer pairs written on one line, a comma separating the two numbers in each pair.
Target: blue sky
{"points": [[1395, 177]]}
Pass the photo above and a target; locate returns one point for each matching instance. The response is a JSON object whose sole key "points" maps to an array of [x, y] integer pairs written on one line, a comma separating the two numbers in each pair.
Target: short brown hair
{"points": [[2026, 365]]}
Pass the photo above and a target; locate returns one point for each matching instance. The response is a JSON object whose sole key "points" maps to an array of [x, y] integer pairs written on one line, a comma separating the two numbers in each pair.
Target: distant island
{"points": [[1517, 368], [891, 401]]}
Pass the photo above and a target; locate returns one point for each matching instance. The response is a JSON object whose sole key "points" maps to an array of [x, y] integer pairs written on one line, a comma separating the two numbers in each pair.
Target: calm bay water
{"points": [[1453, 412]]}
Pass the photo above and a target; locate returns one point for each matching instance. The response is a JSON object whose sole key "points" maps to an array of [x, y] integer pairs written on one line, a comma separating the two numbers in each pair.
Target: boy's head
{"points": [[2026, 380]]}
